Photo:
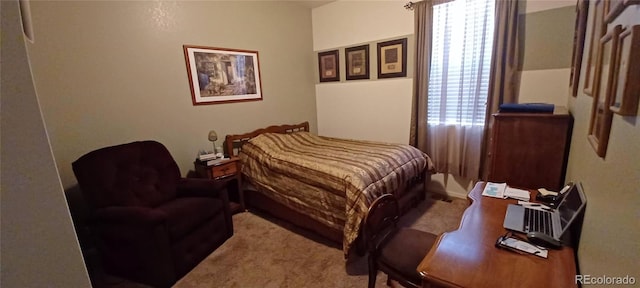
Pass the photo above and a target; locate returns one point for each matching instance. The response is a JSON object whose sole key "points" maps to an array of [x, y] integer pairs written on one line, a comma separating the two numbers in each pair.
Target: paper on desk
{"points": [[545, 192], [515, 193], [525, 247], [496, 190], [533, 205]]}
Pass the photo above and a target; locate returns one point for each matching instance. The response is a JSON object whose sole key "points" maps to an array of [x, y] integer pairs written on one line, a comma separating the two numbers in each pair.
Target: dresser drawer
{"points": [[223, 170]]}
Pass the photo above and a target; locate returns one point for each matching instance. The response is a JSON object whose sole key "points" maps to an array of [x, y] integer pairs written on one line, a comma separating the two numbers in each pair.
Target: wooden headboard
{"points": [[233, 143]]}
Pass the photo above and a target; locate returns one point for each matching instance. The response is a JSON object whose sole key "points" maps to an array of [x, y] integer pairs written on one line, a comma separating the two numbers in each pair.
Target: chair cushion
{"points": [[405, 249], [186, 214]]}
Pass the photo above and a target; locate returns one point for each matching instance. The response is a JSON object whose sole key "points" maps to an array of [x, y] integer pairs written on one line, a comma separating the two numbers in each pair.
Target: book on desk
{"points": [[513, 243], [526, 108], [502, 190]]}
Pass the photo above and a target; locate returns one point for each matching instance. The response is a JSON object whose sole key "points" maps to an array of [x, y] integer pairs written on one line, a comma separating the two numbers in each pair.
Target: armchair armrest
{"points": [[129, 215], [201, 187]]}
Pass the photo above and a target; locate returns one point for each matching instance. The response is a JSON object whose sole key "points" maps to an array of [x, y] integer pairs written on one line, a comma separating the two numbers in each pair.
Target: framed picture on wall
{"points": [[626, 87], [357, 62], [392, 58], [222, 75], [615, 7], [328, 66], [582, 11], [597, 30], [601, 115]]}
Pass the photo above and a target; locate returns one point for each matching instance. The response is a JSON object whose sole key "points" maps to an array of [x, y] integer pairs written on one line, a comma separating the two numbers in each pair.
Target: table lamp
{"points": [[213, 136]]}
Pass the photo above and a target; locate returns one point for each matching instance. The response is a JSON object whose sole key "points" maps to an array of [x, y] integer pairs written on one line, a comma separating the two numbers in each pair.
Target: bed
{"points": [[325, 184]]}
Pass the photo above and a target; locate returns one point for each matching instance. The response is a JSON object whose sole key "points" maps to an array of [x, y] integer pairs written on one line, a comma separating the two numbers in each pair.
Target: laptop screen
{"points": [[571, 205]]}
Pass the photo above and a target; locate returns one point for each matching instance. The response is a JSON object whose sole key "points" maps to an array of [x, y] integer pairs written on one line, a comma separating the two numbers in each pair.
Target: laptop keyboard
{"points": [[537, 221]]}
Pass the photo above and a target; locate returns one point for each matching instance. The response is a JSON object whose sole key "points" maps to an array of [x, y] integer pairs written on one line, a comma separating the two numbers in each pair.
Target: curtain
{"points": [[423, 15], [451, 83], [504, 84], [423, 21]]}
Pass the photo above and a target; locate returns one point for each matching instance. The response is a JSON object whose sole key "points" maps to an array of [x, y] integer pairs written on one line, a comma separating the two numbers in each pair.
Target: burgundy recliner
{"points": [[150, 225]]}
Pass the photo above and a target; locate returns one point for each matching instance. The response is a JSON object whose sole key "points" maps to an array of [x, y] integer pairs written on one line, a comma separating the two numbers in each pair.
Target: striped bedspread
{"points": [[330, 179]]}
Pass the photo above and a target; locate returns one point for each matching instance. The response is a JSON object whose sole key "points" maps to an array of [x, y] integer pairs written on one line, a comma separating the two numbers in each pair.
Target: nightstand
{"points": [[228, 172]]}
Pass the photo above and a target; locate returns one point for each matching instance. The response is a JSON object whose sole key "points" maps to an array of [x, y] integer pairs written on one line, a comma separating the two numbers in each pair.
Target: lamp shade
{"points": [[213, 136]]}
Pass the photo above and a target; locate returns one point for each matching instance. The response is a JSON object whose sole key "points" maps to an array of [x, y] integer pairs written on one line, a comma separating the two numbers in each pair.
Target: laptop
{"points": [[553, 223]]}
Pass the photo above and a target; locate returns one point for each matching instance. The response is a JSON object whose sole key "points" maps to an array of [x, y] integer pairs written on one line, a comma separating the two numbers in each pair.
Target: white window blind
{"points": [[460, 62]]}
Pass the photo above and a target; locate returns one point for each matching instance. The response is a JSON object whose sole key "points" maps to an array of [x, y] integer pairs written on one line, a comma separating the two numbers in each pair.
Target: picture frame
{"points": [[582, 11], [601, 116], [615, 7], [626, 87], [392, 58], [328, 65], [597, 30], [357, 62], [222, 75]]}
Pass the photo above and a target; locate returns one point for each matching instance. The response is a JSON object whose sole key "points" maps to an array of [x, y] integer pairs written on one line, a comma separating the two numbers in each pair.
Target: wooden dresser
{"points": [[530, 150]]}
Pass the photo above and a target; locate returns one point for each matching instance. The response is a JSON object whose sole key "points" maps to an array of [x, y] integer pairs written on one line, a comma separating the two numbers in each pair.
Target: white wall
{"points": [[363, 109], [39, 247], [383, 109], [343, 23]]}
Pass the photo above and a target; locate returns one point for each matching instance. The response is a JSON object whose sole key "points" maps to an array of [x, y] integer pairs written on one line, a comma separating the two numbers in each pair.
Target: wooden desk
{"points": [[467, 257]]}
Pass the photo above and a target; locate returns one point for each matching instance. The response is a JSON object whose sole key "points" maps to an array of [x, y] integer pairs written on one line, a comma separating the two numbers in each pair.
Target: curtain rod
{"points": [[408, 6]]}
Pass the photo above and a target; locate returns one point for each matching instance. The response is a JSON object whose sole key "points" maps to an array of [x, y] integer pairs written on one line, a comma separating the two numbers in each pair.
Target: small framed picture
{"points": [[392, 58], [626, 87], [222, 75], [357, 62], [328, 66], [597, 31], [582, 10], [601, 115], [615, 7]]}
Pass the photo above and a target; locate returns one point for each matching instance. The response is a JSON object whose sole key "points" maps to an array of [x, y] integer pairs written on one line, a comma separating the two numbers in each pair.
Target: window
{"points": [[460, 62]]}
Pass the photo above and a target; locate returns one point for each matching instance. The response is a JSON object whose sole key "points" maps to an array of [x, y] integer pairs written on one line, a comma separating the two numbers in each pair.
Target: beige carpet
{"points": [[265, 252]]}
